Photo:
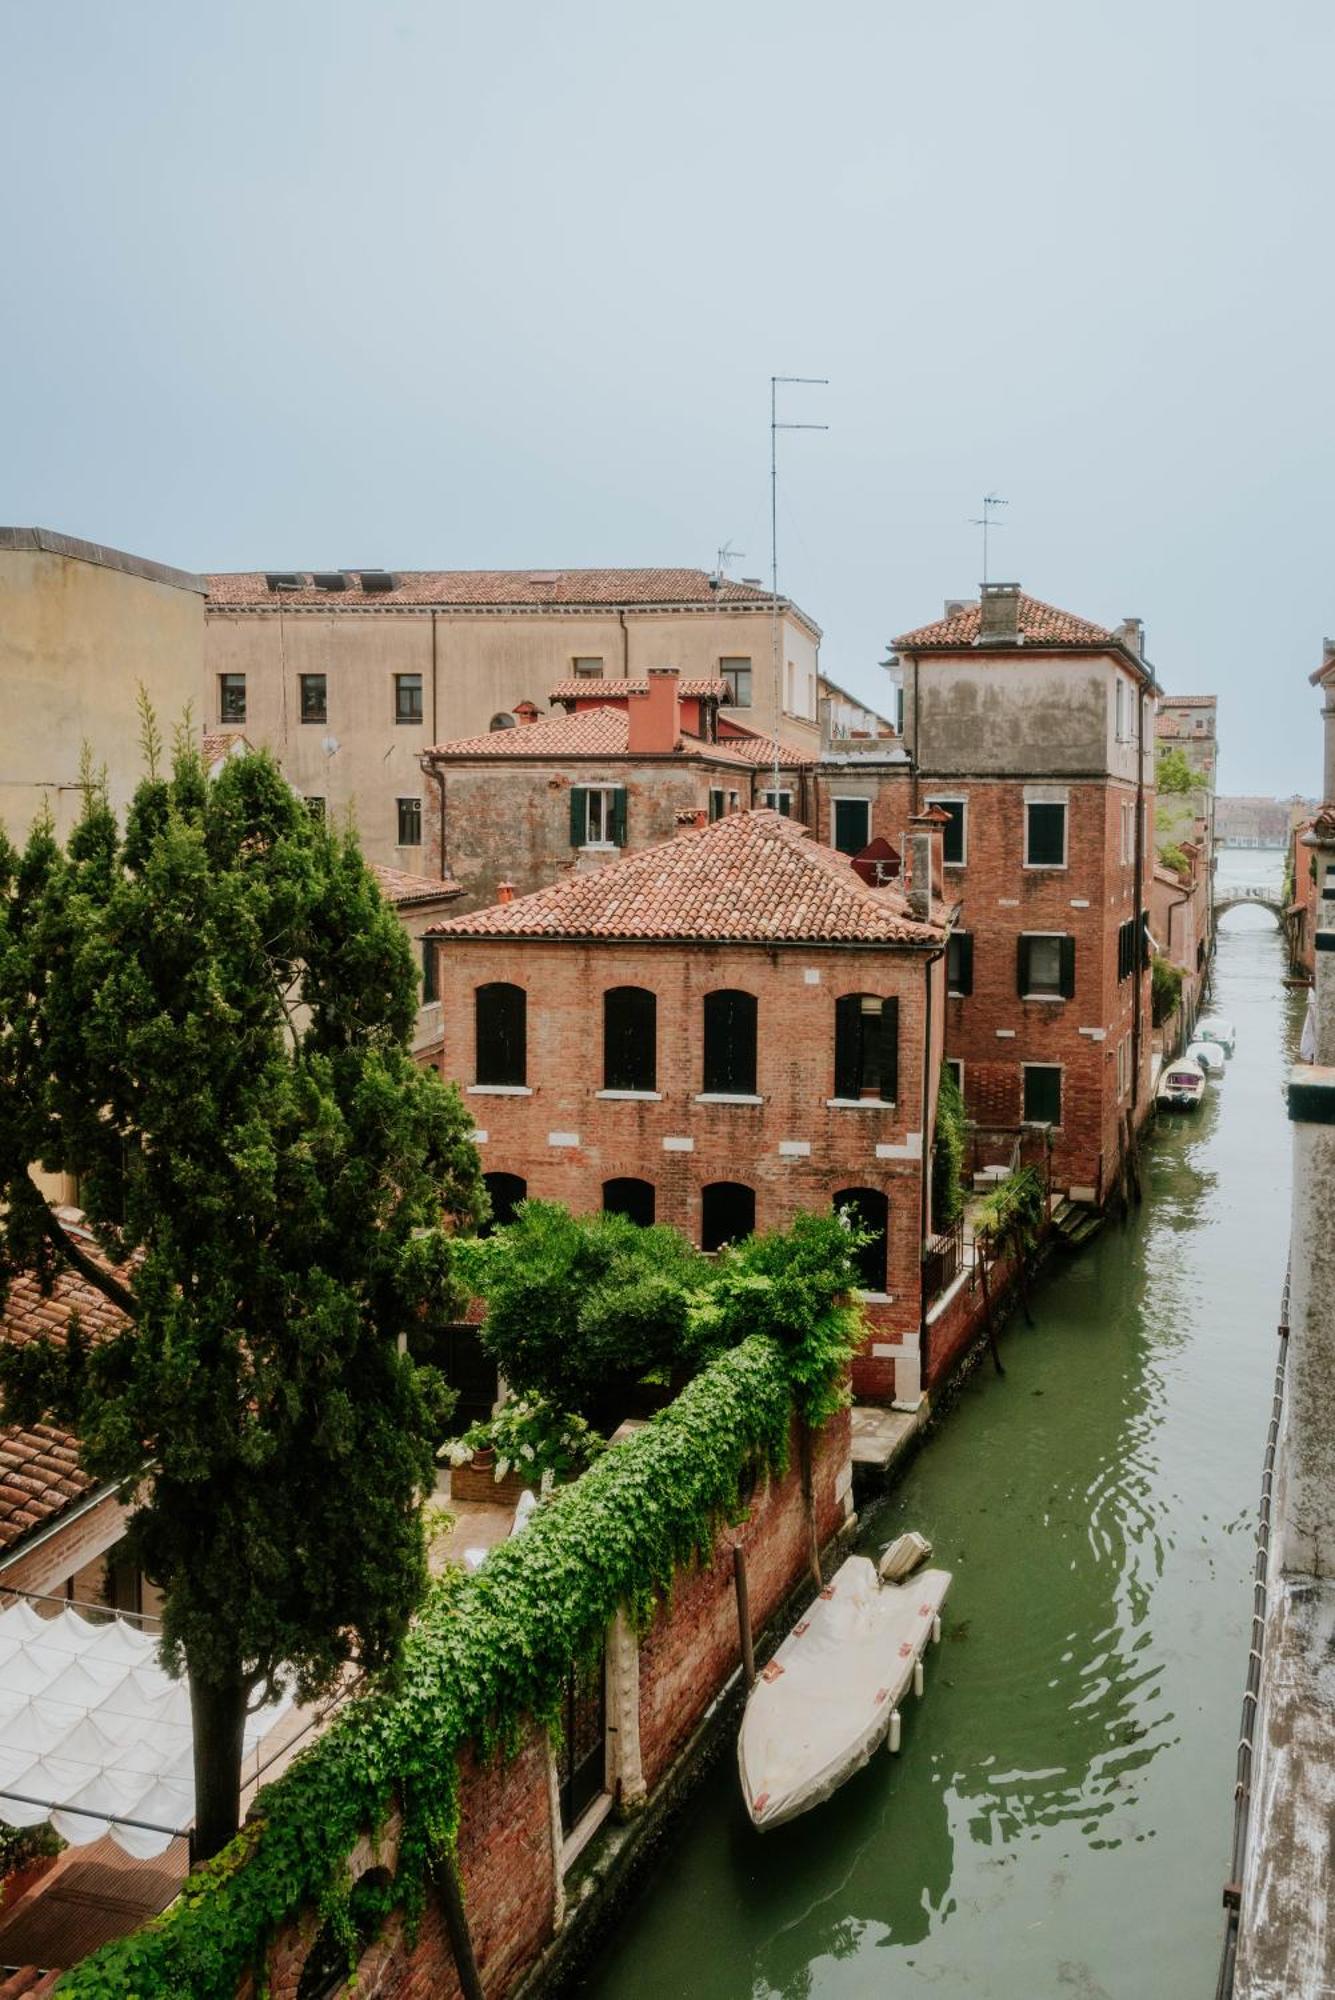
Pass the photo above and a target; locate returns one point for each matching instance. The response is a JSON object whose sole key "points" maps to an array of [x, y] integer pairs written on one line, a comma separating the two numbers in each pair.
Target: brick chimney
{"points": [[524, 713], [505, 892], [654, 719], [1000, 621], [1131, 632]]}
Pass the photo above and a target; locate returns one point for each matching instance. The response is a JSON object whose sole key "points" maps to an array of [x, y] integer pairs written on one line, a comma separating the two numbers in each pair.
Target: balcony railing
{"points": [[943, 1260]]}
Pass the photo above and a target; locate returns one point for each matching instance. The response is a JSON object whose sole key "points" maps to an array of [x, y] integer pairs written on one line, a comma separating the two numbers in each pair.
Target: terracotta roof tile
{"points": [[397, 886], [220, 743], [40, 1475], [591, 688], [605, 732], [752, 878], [1040, 624]]}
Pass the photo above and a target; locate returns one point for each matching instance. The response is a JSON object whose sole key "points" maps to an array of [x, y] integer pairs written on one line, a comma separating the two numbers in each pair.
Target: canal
{"points": [[1057, 1823]]}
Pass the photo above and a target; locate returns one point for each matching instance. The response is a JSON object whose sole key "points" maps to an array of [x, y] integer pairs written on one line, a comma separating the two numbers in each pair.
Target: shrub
{"points": [[1165, 990]]}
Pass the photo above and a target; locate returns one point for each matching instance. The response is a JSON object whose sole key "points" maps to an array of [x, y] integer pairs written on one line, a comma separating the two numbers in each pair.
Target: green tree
{"points": [[206, 1019], [1174, 773]]}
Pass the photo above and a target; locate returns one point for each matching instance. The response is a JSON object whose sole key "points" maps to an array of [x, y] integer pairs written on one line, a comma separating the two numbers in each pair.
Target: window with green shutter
{"points": [[866, 1047], [1045, 968], [597, 816], [1042, 1094], [959, 964], [502, 1033], [730, 1043]]}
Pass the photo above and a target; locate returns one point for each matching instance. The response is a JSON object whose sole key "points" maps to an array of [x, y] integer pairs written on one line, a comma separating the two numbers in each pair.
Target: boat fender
{"points": [[936, 1630], [917, 1678], [892, 1740]]}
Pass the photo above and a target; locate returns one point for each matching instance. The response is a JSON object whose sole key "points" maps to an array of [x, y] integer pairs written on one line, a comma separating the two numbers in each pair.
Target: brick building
{"points": [[349, 675], [1033, 730], [718, 1033], [617, 772]]}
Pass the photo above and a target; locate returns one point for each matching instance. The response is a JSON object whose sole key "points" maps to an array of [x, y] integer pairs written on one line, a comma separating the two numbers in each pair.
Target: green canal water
{"points": [[1057, 1822]]}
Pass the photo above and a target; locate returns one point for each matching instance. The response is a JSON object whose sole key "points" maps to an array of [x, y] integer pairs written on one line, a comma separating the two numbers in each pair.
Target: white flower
{"points": [[527, 1451], [502, 1467]]}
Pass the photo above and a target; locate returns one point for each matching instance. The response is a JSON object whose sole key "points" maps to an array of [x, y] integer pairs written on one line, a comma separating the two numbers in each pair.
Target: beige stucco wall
{"points": [[473, 666], [1000, 714], [77, 637]]}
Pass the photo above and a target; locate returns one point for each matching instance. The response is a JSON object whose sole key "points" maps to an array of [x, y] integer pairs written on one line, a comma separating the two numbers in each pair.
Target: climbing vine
{"points": [[948, 1151], [492, 1650]]}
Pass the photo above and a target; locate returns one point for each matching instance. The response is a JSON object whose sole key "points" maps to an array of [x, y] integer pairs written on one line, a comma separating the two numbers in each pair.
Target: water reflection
{"points": [[1057, 1819]]}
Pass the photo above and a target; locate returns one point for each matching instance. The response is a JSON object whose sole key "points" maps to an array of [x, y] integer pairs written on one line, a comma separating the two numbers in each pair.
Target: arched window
{"points": [[505, 1192], [866, 1046], [502, 1034], [631, 1198], [868, 1210], [630, 1039], [730, 1043], [727, 1213], [329, 1960], [502, 721]]}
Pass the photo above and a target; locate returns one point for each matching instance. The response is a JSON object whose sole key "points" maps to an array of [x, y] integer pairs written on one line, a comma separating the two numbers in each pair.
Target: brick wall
{"points": [[79, 1542], [676, 1143]]}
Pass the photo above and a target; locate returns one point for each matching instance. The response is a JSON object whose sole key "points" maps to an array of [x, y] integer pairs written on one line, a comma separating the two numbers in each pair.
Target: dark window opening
{"points": [[630, 1034], [502, 1033], [430, 970], [869, 1211], [1042, 1094], [952, 836], [410, 822], [314, 698], [581, 1765], [721, 803], [334, 1954], [730, 1043], [1045, 836], [631, 1198], [504, 1192], [866, 1046], [852, 825], [407, 697], [780, 802], [231, 697], [1046, 967], [959, 963], [727, 1214], [1126, 948]]}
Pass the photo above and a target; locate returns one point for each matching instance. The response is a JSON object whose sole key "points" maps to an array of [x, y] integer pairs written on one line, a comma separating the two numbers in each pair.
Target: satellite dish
{"points": [[329, 744]]}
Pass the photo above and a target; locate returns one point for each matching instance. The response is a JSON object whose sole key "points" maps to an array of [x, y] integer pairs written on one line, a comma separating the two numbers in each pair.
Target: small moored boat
{"points": [[1214, 1028], [1182, 1086], [1210, 1055], [831, 1694]]}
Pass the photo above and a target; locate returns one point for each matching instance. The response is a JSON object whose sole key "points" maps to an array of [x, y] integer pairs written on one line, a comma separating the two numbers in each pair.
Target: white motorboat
{"points": [[1182, 1086], [1210, 1055], [831, 1694], [1214, 1028]]}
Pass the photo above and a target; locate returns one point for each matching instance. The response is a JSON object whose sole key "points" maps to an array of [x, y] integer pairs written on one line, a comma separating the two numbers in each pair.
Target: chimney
{"points": [[1000, 622], [524, 712], [954, 605], [927, 857], [919, 846], [1131, 632], [505, 892], [653, 719]]}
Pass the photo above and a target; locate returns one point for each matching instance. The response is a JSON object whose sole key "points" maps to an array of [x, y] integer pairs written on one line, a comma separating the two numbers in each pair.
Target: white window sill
{"points": [[726, 1097], [876, 1298], [859, 1104], [1046, 999], [498, 1090], [1045, 867], [598, 847], [634, 1096]]}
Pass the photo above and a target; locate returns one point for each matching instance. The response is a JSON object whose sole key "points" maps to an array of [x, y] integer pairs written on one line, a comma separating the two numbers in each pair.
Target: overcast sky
{"points": [[423, 284]]}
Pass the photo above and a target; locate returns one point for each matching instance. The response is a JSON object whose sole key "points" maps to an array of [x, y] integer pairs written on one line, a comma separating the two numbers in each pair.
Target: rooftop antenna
{"points": [[811, 381], [726, 555], [991, 501]]}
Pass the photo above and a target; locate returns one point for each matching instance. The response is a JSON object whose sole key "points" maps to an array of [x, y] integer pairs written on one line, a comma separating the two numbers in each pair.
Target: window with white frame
{"points": [[781, 802], [1046, 969], [956, 1068], [598, 816], [955, 837], [587, 668], [737, 673], [1044, 834]]}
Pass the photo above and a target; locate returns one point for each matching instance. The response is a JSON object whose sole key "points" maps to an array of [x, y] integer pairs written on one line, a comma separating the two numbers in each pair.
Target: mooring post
{"points": [[980, 1248], [456, 1923], [744, 1615]]}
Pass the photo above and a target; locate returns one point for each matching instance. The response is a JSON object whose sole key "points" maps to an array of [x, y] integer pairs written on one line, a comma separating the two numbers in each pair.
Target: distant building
{"points": [[1033, 731], [348, 676], [1256, 822], [718, 1032], [82, 629], [1182, 915]]}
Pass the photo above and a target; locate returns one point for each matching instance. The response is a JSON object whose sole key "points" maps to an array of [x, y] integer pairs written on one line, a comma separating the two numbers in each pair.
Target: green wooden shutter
{"points": [[1068, 968], [1022, 966], [962, 982], [579, 815], [619, 817], [848, 1045], [890, 1050]]}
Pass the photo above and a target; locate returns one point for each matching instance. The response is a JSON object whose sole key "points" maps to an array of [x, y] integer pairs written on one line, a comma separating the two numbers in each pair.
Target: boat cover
{"points": [[89, 1719], [824, 1702]]}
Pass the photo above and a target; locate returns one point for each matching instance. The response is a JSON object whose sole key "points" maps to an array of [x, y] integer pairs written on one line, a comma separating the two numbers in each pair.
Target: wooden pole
{"points": [[981, 1250], [1021, 1276], [744, 1615], [809, 1500], [456, 1923]]}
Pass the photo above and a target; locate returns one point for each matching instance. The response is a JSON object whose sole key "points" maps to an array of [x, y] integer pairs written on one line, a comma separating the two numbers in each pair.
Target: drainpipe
{"points": [[917, 759], [434, 736], [1137, 1028], [924, 1188], [436, 771], [625, 646]]}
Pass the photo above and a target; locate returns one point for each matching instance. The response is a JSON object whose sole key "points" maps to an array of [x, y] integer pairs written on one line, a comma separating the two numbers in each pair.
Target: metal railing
{"points": [[943, 1259], [1251, 1699]]}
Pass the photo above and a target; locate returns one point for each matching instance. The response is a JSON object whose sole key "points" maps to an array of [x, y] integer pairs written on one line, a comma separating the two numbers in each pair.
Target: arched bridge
{"points": [[1252, 893]]}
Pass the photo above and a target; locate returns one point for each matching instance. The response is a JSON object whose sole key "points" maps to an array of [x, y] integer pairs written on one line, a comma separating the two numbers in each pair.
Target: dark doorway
{"points": [[502, 1034], [582, 1764], [727, 1213], [730, 1043], [631, 1198], [630, 1017], [505, 1192], [869, 1211]]}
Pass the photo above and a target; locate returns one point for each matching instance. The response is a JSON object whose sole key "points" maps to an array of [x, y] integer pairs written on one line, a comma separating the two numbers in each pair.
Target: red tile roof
{"points": [[591, 688], [397, 886], [492, 588], [752, 878], [1040, 624], [605, 732], [220, 743], [40, 1475]]}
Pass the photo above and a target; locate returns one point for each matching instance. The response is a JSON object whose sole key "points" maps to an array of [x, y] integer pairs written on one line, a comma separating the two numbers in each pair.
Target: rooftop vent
{"points": [[284, 579], [544, 576], [329, 579], [754, 581], [378, 579]]}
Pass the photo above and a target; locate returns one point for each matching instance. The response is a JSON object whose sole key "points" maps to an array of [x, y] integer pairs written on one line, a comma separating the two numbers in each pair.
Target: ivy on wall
{"points": [[491, 1650]]}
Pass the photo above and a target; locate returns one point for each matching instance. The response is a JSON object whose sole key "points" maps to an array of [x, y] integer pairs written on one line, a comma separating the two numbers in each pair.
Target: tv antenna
{"points": [[991, 501], [806, 381], [726, 555]]}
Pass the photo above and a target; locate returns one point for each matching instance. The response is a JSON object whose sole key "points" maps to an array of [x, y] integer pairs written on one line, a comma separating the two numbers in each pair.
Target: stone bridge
{"points": [[1250, 894]]}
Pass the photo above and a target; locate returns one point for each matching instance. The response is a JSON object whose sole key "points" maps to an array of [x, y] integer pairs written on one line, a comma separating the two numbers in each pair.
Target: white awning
{"points": [[93, 1733]]}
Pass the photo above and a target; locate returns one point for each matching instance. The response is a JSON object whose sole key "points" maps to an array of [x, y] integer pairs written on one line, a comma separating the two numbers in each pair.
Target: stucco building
{"points": [[348, 676], [719, 1032], [1032, 729], [82, 629]]}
